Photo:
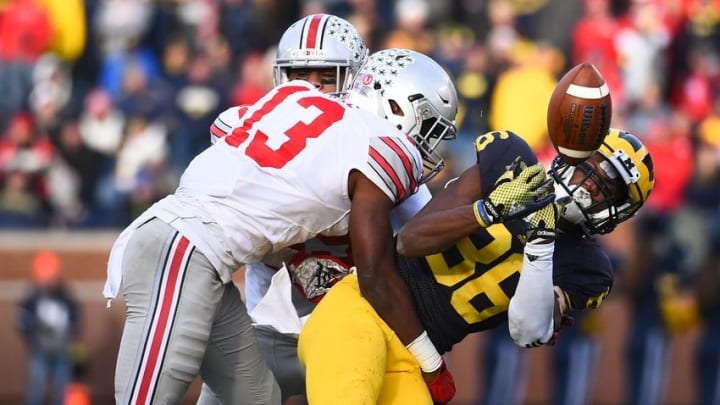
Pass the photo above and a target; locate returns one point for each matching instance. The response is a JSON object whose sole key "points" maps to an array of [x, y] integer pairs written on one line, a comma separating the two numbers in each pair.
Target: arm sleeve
{"points": [[530, 313]]}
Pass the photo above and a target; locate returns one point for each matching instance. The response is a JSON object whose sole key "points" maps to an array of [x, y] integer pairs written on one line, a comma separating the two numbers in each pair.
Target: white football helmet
{"points": [[320, 41], [413, 92]]}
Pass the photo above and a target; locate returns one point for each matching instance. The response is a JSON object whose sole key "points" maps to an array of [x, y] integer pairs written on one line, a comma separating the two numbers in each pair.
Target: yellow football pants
{"points": [[352, 357]]}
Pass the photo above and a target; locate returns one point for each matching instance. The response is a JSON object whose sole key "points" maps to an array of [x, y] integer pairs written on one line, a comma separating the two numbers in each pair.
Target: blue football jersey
{"points": [[467, 288]]}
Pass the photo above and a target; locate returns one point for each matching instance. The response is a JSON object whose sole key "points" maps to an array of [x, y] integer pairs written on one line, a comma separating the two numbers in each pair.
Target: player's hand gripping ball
{"points": [[579, 113]]}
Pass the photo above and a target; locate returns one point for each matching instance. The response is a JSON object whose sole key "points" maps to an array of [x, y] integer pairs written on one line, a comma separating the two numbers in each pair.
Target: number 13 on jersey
{"points": [[299, 132]]}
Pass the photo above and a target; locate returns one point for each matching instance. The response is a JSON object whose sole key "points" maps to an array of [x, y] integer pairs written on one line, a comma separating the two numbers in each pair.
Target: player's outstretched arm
{"points": [[519, 191]]}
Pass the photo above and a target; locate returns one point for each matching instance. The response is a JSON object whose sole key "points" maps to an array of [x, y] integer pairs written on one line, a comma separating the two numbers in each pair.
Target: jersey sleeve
{"points": [[583, 270], [496, 151], [394, 165], [225, 122]]}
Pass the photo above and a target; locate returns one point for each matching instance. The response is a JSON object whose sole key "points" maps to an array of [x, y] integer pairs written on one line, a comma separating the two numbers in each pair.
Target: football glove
{"points": [[519, 191], [442, 387], [314, 275], [540, 225]]}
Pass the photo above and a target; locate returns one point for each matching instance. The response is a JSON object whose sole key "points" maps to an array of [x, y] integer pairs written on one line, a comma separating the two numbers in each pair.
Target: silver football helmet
{"points": [[320, 41], [413, 92]]}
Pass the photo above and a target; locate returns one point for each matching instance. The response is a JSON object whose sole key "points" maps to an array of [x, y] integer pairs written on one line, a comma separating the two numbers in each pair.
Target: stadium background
{"points": [[104, 102]]}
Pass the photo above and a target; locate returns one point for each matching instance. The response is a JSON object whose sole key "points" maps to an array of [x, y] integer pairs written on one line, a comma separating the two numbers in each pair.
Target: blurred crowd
{"points": [[49, 319], [104, 103]]}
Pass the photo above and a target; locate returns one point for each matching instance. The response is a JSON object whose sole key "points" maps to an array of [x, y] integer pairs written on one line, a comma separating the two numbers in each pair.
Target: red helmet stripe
{"points": [[314, 33]]}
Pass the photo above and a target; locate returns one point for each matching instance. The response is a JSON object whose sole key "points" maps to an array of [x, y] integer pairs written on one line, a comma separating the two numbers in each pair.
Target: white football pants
{"points": [[182, 321]]}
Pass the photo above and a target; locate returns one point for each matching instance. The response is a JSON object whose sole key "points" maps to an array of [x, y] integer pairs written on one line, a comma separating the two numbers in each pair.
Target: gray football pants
{"points": [[182, 321], [280, 353]]}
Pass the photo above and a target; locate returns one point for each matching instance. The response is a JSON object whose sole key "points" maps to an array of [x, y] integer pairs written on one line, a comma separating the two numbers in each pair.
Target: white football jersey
{"points": [[281, 176], [226, 122], [258, 275]]}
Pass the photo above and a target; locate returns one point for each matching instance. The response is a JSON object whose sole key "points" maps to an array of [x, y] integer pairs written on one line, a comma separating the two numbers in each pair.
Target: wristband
{"points": [[425, 353], [481, 215]]}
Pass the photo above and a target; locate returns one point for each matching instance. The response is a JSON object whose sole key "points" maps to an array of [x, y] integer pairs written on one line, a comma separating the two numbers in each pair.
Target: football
{"points": [[579, 112]]}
